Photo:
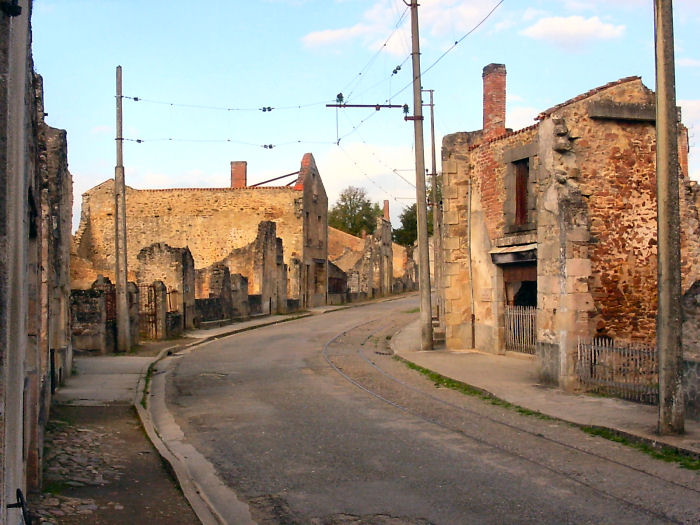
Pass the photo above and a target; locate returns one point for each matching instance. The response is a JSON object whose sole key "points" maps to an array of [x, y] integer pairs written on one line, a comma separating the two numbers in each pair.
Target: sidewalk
{"points": [[512, 378], [113, 380]]}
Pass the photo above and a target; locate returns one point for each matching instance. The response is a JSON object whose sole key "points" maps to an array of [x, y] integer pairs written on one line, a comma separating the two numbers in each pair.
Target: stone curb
{"points": [[631, 436]]}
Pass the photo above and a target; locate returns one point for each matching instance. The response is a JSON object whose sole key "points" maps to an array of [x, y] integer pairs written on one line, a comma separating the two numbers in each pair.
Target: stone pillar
{"points": [[161, 299], [564, 300]]}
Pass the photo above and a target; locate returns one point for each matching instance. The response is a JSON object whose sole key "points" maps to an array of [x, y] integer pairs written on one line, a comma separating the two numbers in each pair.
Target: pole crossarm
{"points": [[375, 106]]}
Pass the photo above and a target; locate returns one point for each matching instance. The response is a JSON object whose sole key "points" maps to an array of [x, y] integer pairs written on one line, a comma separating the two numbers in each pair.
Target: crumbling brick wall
{"points": [[591, 217]]}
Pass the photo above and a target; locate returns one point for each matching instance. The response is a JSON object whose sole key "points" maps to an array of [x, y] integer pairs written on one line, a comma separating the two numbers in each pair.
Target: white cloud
{"points": [[688, 62], [442, 21], [573, 31], [334, 36], [521, 117]]}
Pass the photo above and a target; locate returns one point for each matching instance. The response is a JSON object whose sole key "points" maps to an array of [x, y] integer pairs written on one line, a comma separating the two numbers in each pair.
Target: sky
{"points": [[204, 71]]}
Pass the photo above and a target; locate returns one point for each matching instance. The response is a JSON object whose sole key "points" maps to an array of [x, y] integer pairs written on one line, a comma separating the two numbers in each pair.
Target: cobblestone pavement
{"points": [[99, 468]]}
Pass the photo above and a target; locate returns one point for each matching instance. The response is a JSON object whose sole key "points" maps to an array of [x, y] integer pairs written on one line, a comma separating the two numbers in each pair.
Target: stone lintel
{"points": [[610, 110], [518, 238]]}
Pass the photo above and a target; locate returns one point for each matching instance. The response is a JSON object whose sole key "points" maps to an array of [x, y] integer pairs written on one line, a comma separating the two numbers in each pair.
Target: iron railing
{"points": [[521, 328], [626, 370]]}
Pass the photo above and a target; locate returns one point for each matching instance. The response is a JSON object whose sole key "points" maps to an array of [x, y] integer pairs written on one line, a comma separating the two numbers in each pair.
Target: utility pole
{"points": [[437, 212], [668, 319], [426, 315], [120, 269]]}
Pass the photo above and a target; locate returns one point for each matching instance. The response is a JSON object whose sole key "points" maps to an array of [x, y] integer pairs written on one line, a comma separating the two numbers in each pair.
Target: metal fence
{"points": [[148, 315], [521, 328], [625, 370]]}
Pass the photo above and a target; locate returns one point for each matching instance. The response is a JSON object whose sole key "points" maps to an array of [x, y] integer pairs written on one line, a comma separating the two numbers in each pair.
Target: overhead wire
{"points": [[457, 42], [374, 57], [263, 109]]}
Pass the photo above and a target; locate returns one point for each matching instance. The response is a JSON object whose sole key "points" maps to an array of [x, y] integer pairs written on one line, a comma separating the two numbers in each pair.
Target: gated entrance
{"points": [[520, 328], [148, 316], [520, 317]]}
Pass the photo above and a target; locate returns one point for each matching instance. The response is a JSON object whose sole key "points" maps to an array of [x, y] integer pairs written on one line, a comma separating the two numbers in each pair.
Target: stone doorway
{"points": [[520, 312]]}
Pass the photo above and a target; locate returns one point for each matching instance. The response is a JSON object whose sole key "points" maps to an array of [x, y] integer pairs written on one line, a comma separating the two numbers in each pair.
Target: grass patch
{"points": [[412, 311], [663, 453], [441, 381], [667, 454], [147, 385]]}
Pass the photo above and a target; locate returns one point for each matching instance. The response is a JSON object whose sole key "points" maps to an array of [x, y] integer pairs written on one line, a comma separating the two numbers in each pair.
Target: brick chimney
{"points": [[386, 211], [494, 100], [239, 174]]}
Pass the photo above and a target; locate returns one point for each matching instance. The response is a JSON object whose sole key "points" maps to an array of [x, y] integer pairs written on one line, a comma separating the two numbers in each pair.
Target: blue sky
{"points": [[220, 61]]}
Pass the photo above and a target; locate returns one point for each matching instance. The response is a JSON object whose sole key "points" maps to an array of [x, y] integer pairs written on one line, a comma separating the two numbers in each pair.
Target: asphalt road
{"points": [[312, 421]]}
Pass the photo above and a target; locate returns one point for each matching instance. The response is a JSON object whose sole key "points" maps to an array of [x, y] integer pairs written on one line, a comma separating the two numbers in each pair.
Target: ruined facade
{"points": [[560, 216], [374, 265], [262, 261], [174, 267], [35, 203], [212, 223], [220, 295]]}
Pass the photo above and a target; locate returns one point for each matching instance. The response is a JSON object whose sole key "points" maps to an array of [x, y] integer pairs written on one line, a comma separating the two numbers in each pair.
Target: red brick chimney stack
{"points": [[386, 211], [494, 100], [239, 174]]}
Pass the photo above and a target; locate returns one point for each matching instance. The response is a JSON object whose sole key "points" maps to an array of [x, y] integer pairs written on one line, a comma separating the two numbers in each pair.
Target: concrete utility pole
{"points": [[120, 269], [421, 210], [668, 320], [437, 238]]}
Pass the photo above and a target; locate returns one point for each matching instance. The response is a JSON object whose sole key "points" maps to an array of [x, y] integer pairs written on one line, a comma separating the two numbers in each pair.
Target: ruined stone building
{"points": [[374, 265], [560, 216], [221, 226], [174, 267], [35, 204]]}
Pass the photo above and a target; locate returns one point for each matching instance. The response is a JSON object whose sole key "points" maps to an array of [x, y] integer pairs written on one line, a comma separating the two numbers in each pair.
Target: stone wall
{"points": [[691, 322], [585, 215], [212, 222], [91, 331], [373, 262], [263, 262], [33, 296], [175, 268], [474, 200], [213, 295]]}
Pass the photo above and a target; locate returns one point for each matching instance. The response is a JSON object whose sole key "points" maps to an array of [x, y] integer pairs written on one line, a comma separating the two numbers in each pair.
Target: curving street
{"points": [[313, 421]]}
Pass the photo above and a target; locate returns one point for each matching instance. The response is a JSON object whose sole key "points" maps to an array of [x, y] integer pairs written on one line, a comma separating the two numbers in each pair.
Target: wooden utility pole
{"points": [[120, 269], [421, 209], [437, 215], [668, 320]]}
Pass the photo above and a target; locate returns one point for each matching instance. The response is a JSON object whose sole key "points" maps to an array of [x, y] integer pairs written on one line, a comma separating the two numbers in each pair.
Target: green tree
{"points": [[407, 234], [354, 212]]}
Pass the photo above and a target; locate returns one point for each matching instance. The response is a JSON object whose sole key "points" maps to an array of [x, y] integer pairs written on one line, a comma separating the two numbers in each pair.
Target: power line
{"points": [[364, 172], [263, 109], [358, 77], [457, 42], [227, 140]]}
